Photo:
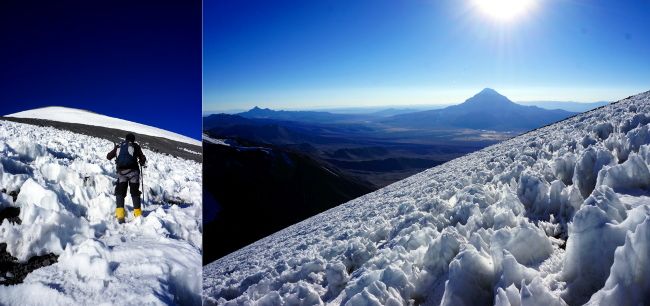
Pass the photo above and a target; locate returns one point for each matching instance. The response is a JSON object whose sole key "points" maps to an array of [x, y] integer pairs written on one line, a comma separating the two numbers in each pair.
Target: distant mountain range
{"points": [[266, 113], [487, 110], [387, 111], [566, 105], [305, 116], [267, 131]]}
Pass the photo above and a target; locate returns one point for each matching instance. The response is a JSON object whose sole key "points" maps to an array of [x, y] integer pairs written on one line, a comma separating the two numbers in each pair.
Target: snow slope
{"points": [[214, 140], [560, 215], [72, 115], [67, 203]]}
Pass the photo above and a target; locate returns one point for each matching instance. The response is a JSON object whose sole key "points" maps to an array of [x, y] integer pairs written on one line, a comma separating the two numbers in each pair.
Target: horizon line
{"points": [[378, 106]]}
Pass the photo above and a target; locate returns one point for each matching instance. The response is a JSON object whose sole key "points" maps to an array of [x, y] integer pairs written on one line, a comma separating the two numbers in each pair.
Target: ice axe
{"points": [[142, 188]]}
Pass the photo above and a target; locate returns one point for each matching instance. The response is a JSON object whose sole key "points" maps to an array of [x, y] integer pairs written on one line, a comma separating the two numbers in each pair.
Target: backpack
{"points": [[126, 156]]}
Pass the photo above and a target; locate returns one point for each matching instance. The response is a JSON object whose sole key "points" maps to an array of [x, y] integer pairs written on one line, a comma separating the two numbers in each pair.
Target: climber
{"points": [[128, 154]]}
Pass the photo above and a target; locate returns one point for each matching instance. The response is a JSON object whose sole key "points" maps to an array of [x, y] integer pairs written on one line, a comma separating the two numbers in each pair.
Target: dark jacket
{"points": [[138, 154]]}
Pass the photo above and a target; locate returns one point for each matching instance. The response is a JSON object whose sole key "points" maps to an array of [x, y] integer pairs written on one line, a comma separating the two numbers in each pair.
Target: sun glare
{"points": [[504, 10]]}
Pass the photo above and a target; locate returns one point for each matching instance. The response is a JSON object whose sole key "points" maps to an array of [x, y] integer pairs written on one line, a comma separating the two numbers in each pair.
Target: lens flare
{"points": [[504, 10]]}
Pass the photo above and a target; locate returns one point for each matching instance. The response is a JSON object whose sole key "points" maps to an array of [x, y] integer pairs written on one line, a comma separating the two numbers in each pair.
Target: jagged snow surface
{"points": [[67, 205], [560, 215], [72, 115]]}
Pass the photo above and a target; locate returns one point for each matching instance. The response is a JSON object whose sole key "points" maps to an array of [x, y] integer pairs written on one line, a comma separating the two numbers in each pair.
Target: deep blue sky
{"points": [[302, 54], [136, 60]]}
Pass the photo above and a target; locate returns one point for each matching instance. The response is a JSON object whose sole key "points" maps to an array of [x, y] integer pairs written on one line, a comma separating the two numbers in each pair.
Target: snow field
{"points": [[65, 189], [73, 115], [557, 216]]}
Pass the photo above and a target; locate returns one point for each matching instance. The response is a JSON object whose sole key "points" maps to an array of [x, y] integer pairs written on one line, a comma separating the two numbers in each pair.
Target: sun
{"points": [[504, 10]]}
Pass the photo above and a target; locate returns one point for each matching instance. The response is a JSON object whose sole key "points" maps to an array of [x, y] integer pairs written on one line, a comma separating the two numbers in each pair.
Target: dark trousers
{"points": [[131, 181]]}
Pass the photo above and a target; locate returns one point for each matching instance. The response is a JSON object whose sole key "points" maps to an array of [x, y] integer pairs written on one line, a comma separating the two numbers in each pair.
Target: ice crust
{"points": [[65, 189], [556, 216], [73, 115]]}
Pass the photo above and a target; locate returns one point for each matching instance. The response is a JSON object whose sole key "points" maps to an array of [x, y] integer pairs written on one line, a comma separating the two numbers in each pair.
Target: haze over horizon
{"points": [[310, 55], [371, 108]]}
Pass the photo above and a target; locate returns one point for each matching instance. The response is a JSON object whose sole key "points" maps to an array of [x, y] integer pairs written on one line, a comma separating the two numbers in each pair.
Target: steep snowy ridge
{"points": [[65, 189], [557, 216], [72, 115]]}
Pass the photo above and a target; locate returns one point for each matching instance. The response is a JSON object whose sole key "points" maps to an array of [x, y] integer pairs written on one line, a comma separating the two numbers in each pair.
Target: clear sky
{"points": [[135, 60], [303, 54]]}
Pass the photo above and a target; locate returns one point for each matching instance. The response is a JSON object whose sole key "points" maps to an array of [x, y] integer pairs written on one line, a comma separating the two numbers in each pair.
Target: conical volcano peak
{"points": [[488, 90], [488, 97], [260, 111]]}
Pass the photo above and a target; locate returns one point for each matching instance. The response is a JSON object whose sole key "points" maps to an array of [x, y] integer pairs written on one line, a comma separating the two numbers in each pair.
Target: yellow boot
{"points": [[137, 212], [119, 214]]}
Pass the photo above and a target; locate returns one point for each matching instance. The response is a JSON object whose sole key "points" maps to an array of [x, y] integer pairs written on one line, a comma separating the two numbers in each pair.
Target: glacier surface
{"points": [[72, 115]]}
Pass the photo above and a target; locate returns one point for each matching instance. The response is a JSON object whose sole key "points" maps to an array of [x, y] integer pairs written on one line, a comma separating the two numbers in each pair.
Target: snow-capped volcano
{"points": [[556, 216], [488, 109], [63, 186], [72, 115]]}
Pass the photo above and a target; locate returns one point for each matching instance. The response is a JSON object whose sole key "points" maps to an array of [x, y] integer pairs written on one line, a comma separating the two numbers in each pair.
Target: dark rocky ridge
{"points": [[252, 191], [11, 271], [10, 214], [156, 144]]}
